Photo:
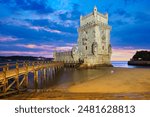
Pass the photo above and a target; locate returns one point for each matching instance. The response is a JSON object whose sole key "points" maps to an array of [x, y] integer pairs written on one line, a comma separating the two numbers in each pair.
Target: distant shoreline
{"points": [[139, 63], [23, 58]]}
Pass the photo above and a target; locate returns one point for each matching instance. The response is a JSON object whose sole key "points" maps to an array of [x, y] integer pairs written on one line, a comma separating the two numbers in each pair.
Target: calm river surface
{"points": [[67, 77], [124, 64]]}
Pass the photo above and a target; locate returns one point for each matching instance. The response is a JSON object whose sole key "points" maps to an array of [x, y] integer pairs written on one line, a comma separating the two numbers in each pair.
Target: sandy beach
{"points": [[108, 83], [116, 80]]}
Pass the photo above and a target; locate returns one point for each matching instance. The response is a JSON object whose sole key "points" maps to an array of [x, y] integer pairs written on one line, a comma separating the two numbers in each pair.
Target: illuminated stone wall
{"points": [[94, 46]]}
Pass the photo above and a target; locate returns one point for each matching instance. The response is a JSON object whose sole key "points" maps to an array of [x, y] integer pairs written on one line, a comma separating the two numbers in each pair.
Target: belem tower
{"points": [[93, 46]]}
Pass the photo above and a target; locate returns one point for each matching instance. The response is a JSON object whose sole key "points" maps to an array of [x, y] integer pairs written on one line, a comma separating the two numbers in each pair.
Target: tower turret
{"points": [[95, 11]]}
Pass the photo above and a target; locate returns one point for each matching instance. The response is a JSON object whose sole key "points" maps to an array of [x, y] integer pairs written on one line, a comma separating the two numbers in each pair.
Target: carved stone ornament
{"points": [[74, 51]]}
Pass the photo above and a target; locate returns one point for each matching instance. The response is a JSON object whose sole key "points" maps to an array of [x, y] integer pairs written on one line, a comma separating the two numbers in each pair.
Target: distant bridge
{"points": [[10, 81]]}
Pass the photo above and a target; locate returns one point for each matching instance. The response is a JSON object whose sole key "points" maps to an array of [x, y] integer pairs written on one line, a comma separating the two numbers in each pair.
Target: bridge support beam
{"points": [[17, 76], [5, 80], [36, 79]]}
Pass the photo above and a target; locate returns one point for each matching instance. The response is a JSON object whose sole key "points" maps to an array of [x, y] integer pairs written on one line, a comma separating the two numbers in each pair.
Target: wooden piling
{"points": [[17, 76], [35, 79], [7, 66], [44, 71], [5, 79], [48, 73], [26, 74]]}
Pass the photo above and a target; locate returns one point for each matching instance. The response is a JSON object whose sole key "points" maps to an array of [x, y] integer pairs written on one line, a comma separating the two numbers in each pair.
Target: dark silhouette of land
{"points": [[23, 58], [141, 58]]}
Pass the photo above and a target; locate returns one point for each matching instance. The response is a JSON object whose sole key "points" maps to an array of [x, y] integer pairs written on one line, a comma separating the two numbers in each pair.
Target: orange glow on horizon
{"points": [[123, 54]]}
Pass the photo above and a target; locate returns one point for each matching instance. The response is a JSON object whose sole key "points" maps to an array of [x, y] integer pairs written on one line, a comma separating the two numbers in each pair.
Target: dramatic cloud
{"points": [[26, 53], [7, 38], [47, 47], [29, 27], [39, 6]]}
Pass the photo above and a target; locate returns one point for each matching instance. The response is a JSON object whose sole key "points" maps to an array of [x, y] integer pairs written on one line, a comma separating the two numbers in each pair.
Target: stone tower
{"points": [[94, 39], [93, 48]]}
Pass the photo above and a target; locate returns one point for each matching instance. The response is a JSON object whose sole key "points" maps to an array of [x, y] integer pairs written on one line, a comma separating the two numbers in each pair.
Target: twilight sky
{"points": [[38, 27]]}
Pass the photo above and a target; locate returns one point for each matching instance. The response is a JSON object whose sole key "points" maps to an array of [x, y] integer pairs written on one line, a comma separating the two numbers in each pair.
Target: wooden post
{"points": [[53, 72], [48, 73], [41, 64], [36, 79], [41, 73], [43, 77], [38, 63], [33, 66], [35, 76], [26, 75], [40, 76], [7, 66], [17, 76], [56, 69], [44, 73], [5, 80]]}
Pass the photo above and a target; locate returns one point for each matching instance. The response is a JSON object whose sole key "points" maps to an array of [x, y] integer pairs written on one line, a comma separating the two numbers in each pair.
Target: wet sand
{"points": [[109, 83], [116, 80]]}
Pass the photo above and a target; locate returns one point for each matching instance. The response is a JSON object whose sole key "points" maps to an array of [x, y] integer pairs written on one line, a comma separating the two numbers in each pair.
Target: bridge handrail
{"points": [[26, 63]]}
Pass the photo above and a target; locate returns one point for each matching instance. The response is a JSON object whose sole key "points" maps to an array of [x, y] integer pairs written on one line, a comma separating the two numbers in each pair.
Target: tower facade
{"points": [[94, 39], [93, 46]]}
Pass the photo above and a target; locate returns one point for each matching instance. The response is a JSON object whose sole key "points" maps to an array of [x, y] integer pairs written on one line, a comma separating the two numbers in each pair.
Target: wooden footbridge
{"points": [[15, 77]]}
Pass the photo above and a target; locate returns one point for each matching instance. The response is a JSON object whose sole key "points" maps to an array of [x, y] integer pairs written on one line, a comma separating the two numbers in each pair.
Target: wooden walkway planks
{"points": [[22, 70]]}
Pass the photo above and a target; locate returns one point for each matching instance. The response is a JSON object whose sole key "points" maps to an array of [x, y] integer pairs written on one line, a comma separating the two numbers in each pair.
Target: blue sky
{"points": [[38, 27]]}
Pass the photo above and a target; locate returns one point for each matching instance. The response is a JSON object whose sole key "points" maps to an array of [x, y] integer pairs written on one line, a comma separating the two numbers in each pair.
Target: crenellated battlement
{"points": [[94, 23], [94, 17]]}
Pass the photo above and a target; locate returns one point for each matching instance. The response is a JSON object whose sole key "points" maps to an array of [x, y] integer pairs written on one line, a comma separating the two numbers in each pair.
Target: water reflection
{"points": [[66, 77]]}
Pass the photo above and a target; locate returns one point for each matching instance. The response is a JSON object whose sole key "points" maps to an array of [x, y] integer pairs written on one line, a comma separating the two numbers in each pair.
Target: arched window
{"points": [[85, 47], [94, 48], [103, 47]]}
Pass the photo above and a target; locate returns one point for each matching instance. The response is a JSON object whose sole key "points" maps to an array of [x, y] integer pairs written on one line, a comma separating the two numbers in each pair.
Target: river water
{"points": [[124, 64], [66, 77]]}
